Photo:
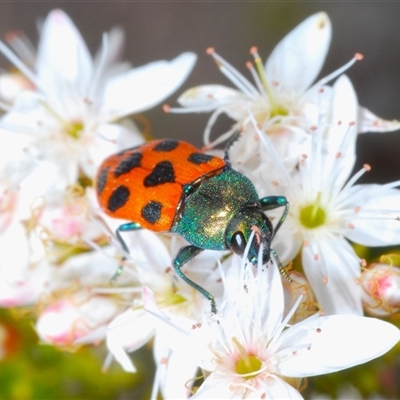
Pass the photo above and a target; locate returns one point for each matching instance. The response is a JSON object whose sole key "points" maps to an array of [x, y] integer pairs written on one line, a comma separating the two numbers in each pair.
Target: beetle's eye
{"points": [[238, 243]]}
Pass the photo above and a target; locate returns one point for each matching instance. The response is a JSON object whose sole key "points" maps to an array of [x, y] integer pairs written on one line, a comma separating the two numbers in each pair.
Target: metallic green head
{"points": [[239, 230]]}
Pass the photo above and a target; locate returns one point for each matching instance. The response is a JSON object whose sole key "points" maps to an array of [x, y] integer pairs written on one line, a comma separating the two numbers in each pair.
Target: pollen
{"points": [[254, 50], [367, 167], [164, 361], [358, 56], [166, 108], [210, 51], [321, 23]]}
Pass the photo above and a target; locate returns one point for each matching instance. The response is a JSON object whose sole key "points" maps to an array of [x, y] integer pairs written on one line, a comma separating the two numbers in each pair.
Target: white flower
{"points": [[74, 316], [283, 97], [73, 116], [151, 259], [328, 209], [251, 352]]}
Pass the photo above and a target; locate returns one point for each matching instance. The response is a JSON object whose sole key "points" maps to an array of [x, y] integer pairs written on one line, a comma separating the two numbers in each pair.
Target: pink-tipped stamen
{"points": [[233, 74], [339, 71], [356, 177]]}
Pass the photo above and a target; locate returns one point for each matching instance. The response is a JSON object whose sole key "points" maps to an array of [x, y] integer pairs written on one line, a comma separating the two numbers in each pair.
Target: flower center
{"points": [[74, 129], [248, 365], [170, 297], [312, 216]]}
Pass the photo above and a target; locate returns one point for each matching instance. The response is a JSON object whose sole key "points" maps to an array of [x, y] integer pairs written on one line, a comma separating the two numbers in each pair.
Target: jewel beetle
{"points": [[169, 185]]}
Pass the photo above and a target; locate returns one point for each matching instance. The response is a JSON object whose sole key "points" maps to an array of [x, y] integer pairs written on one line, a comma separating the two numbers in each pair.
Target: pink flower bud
{"points": [[76, 316], [381, 290]]}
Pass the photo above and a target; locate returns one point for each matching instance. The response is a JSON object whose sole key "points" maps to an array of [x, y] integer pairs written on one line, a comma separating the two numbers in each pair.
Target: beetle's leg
{"points": [[231, 140], [130, 226], [272, 202], [184, 255]]}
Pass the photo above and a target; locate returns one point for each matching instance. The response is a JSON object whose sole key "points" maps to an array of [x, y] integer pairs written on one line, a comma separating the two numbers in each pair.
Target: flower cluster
{"points": [[65, 111]]}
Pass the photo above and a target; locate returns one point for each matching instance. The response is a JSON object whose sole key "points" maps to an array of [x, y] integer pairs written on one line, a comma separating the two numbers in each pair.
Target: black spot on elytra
{"points": [[199, 158], [163, 172], [101, 180], [166, 145], [128, 164], [151, 212], [118, 198]]}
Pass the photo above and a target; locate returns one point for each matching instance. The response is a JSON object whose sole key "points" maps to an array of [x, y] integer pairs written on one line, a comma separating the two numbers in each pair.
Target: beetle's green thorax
{"points": [[209, 209]]}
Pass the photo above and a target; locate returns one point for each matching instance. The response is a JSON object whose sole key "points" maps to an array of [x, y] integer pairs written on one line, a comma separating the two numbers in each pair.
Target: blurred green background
{"points": [[162, 30]]}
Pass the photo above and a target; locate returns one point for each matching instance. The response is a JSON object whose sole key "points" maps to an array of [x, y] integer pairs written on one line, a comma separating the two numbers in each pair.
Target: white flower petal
{"points": [[177, 369], [110, 138], [298, 58], [62, 53], [369, 122], [332, 273], [154, 82], [207, 98], [128, 332], [116, 42], [376, 223], [343, 133], [276, 388], [215, 388], [179, 333], [336, 342]]}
